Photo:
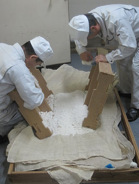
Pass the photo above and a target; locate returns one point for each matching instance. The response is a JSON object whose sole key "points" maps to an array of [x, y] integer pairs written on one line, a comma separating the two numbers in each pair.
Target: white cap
{"points": [[79, 29], [42, 48]]}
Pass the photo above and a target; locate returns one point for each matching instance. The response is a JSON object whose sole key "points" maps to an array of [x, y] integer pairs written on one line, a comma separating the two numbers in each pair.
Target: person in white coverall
{"points": [[15, 61], [119, 23]]}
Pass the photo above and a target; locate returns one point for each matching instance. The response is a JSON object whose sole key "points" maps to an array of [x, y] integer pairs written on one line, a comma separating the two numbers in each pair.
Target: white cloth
{"points": [[15, 74], [64, 148], [69, 159], [65, 79]]}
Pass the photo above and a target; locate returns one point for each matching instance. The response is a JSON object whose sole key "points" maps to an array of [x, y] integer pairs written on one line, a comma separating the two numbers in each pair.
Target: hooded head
{"points": [[79, 29], [42, 48]]}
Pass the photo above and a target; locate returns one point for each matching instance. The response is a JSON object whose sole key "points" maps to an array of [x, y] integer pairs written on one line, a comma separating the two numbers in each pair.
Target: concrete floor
{"points": [[76, 63]]}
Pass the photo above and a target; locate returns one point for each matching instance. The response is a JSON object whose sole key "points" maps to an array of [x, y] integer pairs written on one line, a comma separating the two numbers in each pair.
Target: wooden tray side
{"points": [[127, 126], [32, 177]]}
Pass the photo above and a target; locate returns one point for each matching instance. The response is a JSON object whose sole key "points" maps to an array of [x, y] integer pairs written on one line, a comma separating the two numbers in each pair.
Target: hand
{"points": [[101, 58], [86, 56]]}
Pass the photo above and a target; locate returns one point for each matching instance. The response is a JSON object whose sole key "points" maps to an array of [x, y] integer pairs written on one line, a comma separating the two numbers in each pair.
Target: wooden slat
{"points": [[42, 82], [127, 126], [33, 117], [127, 175], [97, 94], [92, 83], [101, 50], [90, 77], [130, 175]]}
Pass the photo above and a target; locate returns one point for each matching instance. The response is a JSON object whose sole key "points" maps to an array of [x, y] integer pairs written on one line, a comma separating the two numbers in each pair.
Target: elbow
{"points": [[131, 51], [128, 51]]}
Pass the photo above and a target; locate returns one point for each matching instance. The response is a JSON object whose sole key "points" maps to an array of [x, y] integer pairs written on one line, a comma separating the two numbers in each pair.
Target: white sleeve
{"points": [[25, 85], [126, 41], [80, 49]]}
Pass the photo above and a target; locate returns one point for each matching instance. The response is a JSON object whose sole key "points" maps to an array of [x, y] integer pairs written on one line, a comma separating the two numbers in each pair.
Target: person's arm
{"points": [[83, 53], [25, 85], [126, 40]]}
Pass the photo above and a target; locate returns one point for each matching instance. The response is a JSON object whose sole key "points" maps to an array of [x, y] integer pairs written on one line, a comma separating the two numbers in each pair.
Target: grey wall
{"points": [[83, 6], [22, 20]]}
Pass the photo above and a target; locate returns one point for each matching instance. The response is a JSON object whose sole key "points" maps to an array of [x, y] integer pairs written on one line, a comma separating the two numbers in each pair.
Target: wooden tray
{"points": [[126, 175]]}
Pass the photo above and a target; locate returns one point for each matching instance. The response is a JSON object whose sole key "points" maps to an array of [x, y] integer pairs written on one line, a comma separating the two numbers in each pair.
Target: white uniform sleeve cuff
{"points": [[109, 58]]}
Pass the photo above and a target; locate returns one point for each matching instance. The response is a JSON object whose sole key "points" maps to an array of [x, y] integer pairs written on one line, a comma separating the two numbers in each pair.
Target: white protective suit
{"points": [[15, 74], [120, 23]]}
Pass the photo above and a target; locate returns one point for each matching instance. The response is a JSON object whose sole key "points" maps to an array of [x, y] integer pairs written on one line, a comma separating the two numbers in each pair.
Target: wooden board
{"points": [[33, 117], [41, 81], [126, 175], [101, 76]]}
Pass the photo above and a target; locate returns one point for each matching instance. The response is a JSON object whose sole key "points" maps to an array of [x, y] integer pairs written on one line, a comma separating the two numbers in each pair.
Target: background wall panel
{"points": [[21, 20], [83, 6]]}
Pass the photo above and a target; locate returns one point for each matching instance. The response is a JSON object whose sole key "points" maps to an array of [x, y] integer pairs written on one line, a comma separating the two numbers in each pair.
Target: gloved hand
{"points": [[87, 62]]}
